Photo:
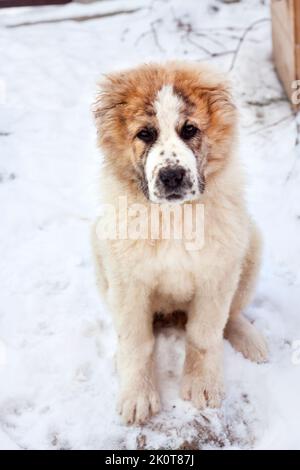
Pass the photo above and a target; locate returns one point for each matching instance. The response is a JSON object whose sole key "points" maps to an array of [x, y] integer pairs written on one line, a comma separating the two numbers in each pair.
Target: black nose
{"points": [[172, 177]]}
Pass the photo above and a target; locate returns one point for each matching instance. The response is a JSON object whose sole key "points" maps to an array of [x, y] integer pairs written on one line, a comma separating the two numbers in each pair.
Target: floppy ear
{"points": [[221, 104], [221, 132], [109, 96], [108, 112]]}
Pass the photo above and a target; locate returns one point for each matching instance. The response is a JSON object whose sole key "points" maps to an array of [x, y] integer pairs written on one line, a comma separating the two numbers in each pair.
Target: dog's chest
{"points": [[172, 268]]}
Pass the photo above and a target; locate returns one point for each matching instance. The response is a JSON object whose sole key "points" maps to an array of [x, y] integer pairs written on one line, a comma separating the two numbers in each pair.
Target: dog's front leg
{"points": [[138, 395], [202, 381]]}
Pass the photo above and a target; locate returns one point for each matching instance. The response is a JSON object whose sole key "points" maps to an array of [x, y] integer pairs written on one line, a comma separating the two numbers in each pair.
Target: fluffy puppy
{"points": [[168, 135]]}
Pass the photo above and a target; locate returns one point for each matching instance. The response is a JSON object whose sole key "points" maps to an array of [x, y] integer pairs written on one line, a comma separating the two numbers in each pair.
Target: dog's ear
{"points": [[221, 103], [110, 94], [214, 98]]}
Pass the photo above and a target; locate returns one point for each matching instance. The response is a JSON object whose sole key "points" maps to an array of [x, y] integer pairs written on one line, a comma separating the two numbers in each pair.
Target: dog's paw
{"points": [[203, 390], [137, 406], [246, 339], [252, 347]]}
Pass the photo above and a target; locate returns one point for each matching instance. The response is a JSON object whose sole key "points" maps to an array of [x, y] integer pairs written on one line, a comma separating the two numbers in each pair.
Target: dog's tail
{"points": [[245, 338]]}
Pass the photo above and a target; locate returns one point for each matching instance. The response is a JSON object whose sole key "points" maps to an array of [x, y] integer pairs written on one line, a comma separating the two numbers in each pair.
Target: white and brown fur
{"points": [[137, 278]]}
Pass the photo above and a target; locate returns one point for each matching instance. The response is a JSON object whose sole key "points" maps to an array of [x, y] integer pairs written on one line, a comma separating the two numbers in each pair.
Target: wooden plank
{"points": [[297, 20], [297, 60], [284, 55], [286, 43], [283, 10], [26, 3], [297, 37]]}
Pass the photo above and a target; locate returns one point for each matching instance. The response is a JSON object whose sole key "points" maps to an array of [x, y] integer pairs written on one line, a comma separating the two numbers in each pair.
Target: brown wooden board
{"points": [[297, 21], [284, 56], [284, 12], [286, 42], [297, 37], [26, 3]]}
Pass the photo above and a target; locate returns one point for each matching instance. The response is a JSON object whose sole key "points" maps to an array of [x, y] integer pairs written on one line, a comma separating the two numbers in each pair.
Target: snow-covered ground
{"points": [[57, 378]]}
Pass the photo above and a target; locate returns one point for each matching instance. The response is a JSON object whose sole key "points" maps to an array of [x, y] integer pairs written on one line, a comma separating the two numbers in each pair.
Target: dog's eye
{"points": [[147, 135], [188, 131]]}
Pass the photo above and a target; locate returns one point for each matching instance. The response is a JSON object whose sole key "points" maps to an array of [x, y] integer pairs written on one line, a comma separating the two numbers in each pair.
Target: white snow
{"points": [[57, 377]]}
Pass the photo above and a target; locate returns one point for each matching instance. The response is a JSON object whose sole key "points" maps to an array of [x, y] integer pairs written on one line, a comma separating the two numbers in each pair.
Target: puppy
{"points": [[168, 134]]}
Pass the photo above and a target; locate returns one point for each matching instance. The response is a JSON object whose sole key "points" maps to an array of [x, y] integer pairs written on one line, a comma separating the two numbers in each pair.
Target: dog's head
{"points": [[166, 129]]}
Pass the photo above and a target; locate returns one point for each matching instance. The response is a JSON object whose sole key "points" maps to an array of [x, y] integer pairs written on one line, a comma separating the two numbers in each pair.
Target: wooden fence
{"points": [[286, 43]]}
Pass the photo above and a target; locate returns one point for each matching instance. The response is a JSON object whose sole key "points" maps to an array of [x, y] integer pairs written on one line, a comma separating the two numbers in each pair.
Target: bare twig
{"points": [[74, 18], [213, 40], [141, 36], [290, 173], [296, 159], [219, 54], [242, 39], [266, 102], [273, 124], [189, 33], [154, 34], [223, 28], [297, 140], [194, 43]]}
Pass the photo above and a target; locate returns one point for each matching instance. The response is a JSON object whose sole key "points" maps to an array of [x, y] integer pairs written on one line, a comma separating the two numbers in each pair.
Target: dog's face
{"points": [[166, 129], [172, 141]]}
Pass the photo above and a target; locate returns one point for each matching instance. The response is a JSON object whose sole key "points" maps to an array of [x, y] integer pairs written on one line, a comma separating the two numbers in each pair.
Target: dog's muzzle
{"points": [[173, 182]]}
